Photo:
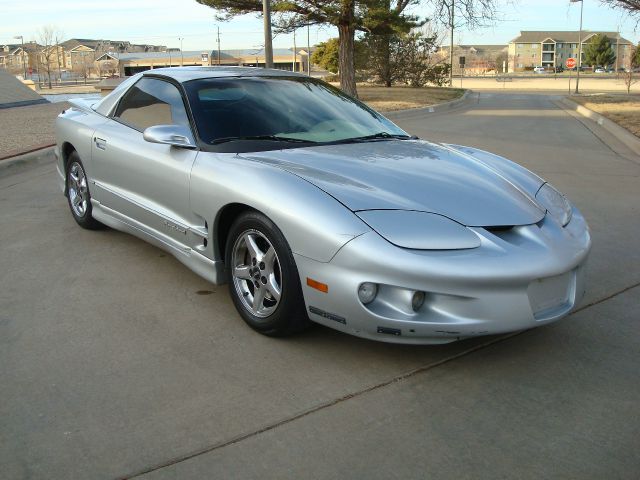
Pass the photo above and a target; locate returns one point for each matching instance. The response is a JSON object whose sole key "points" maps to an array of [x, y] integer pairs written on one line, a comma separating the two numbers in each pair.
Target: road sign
{"points": [[571, 63]]}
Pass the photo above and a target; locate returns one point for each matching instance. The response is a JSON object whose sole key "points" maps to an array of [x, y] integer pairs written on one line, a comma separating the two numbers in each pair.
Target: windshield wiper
{"points": [[274, 138], [377, 136]]}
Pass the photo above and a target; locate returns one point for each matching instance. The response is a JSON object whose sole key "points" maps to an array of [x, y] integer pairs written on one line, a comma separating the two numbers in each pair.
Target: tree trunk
{"points": [[386, 60], [346, 35]]}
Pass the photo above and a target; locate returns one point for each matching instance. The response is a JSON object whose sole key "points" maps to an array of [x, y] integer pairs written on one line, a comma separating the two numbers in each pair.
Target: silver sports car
{"points": [[312, 206]]}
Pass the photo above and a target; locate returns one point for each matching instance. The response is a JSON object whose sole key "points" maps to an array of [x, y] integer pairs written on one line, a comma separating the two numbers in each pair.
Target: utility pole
{"points": [[579, 45], [218, 44], [181, 52], [268, 45], [24, 65], [452, 16]]}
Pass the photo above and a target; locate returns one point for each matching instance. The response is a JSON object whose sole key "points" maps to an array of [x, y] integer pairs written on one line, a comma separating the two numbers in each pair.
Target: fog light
{"points": [[367, 292], [417, 300]]}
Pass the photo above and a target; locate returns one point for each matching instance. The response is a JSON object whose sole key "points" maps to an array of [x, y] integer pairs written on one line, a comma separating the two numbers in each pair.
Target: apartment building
{"points": [[551, 49]]}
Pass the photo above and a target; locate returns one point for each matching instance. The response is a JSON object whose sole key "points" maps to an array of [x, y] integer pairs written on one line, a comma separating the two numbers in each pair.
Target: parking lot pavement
{"points": [[507, 411], [115, 360]]}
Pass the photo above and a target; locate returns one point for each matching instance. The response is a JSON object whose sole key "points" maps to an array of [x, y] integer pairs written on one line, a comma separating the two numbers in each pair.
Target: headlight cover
{"points": [[555, 203], [419, 230]]}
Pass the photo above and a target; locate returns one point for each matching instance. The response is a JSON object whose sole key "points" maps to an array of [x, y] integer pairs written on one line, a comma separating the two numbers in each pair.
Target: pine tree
{"points": [[599, 52]]}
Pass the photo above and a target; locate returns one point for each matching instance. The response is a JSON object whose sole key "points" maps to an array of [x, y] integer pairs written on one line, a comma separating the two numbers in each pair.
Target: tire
{"points": [[78, 195], [263, 279]]}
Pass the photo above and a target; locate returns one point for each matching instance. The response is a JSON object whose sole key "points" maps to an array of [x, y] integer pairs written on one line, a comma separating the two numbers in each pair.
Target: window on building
{"points": [[152, 102], [520, 65], [520, 45], [534, 45], [560, 45]]}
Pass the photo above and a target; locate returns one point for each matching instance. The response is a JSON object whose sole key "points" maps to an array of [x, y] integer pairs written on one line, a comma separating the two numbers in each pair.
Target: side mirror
{"points": [[174, 135]]}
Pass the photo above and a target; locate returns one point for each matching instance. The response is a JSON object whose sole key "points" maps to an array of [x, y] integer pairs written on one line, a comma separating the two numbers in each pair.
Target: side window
{"points": [[152, 102]]}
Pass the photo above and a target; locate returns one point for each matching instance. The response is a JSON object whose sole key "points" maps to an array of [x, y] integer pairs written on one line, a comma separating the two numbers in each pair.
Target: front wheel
{"points": [[78, 194], [263, 278]]}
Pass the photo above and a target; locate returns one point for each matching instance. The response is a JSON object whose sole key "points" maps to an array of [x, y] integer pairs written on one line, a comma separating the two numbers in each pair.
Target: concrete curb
{"points": [[440, 107], [24, 103], [36, 157], [621, 133], [16, 153]]}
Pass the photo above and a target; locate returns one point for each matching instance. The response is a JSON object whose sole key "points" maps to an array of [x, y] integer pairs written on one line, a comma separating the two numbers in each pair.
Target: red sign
{"points": [[571, 63]]}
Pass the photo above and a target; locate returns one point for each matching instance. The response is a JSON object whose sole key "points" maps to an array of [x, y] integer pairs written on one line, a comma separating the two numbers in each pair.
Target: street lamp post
{"points": [[181, 52], [579, 45], [24, 66], [218, 44]]}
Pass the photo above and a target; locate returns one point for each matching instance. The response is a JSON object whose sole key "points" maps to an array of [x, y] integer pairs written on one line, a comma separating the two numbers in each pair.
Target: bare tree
{"points": [[471, 14], [630, 6], [83, 66], [628, 77], [48, 37]]}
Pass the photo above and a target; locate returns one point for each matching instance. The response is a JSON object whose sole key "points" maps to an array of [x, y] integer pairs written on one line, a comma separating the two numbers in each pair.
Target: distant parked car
{"points": [[600, 70], [559, 69], [539, 70]]}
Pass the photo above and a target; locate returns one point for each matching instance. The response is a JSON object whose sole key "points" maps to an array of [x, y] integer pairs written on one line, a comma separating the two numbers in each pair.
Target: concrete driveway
{"points": [[116, 361]]}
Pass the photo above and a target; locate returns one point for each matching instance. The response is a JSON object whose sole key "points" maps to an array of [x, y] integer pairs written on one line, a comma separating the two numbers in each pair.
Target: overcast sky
{"points": [[165, 21]]}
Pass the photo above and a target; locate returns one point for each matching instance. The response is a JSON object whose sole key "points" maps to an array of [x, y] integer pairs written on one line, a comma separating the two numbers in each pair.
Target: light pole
{"points": [[452, 17], [24, 66], [218, 44], [579, 45], [295, 53], [181, 52]]}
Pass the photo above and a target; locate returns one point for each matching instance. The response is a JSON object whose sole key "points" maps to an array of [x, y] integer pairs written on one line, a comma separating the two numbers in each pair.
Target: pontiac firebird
{"points": [[312, 206]]}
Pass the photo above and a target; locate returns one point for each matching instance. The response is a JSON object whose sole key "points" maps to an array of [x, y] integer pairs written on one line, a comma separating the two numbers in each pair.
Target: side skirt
{"points": [[211, 270]]}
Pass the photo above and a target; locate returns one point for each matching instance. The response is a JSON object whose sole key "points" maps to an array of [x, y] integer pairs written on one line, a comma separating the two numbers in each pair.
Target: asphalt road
{"points": [[116, 361]]}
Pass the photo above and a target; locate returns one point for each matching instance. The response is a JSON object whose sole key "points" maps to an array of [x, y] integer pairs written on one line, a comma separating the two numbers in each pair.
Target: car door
{"points": [[145, 184]]}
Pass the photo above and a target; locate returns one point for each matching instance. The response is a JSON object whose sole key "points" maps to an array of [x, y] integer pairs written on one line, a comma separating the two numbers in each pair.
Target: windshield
{"points": [[292, 109]]}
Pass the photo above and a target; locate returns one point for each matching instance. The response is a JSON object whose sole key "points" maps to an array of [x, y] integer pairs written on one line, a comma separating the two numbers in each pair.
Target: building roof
{"points": [[539, 36], [166, 55], [235, 55]]}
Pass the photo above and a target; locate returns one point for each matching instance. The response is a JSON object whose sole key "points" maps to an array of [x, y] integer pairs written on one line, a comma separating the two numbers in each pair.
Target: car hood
{"points": [[410, 175]]}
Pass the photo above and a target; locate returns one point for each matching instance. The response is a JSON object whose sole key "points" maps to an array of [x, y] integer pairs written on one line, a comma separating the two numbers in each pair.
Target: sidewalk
{"points": [[28, 128]]}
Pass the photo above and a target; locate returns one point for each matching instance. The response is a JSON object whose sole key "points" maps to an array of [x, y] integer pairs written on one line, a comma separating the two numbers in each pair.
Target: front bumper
{"points": [[518, 279]]}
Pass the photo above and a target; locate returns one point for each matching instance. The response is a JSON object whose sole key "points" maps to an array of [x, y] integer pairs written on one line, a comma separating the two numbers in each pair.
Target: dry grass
{"points": [[399, 98], [622, 109]]}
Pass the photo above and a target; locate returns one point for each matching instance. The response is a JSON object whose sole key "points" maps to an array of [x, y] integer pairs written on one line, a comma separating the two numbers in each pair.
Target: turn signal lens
{"points": [[323, 287], [367, 292], [417, 300]]}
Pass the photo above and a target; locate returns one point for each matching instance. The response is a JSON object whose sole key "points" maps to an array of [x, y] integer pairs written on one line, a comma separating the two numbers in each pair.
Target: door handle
{"points": [[101, 143]]}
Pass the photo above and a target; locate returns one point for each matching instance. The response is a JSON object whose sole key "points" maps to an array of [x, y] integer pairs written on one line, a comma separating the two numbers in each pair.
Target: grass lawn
{"points": [[385, 99], [622, 109]]}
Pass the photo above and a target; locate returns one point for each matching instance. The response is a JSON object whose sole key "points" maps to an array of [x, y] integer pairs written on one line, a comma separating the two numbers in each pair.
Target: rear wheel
{"points": [[78, 194], [263, 278]]}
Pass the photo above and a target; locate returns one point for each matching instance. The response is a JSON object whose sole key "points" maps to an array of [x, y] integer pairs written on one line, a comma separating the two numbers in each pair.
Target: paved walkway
{"points": [[28, 128]]}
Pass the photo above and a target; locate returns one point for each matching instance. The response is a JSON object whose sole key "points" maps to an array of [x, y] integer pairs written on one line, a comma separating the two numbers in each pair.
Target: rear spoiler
{"points": [[85, 104]]}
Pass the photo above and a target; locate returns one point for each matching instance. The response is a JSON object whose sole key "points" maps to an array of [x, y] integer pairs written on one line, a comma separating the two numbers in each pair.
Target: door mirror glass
{"points": [[174, 135]]}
